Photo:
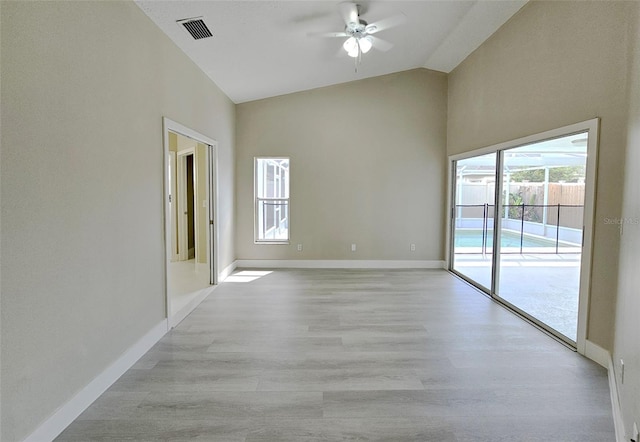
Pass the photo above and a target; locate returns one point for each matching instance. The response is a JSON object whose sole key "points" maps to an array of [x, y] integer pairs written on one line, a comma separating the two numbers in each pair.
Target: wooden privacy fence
{"points": [[570, 197]]}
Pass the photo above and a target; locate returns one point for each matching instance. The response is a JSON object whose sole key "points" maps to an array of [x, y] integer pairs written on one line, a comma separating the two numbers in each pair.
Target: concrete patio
{"points": [[543, 285]]}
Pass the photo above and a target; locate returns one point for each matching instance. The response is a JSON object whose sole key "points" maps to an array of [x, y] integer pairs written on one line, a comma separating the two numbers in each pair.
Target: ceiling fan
{"points": [[359, 34]]}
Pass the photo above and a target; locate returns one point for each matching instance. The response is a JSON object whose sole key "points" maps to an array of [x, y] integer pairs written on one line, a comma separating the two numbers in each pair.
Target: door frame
{"points": [[169, 125], [212, 196], [591, 126]]}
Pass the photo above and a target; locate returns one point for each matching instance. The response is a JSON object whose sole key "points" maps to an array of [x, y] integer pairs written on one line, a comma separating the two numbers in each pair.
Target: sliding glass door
{"points": [[532, 198], [473, 218], [543, 188]]}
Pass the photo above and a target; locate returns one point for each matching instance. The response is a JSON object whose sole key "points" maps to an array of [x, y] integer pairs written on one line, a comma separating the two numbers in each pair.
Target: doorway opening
{"points": [[191, 188], [190, 219], [521, 226]]}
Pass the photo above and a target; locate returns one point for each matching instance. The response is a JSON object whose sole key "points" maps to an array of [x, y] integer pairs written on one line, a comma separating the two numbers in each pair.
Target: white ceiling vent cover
{"points": [[196, 27]]}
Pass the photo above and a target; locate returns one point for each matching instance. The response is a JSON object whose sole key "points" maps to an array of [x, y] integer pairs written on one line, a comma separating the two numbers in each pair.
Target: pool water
{"points": [[473, 238]]}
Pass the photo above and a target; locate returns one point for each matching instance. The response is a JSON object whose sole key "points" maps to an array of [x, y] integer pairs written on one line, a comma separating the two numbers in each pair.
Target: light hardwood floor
{"points": [[330, 355]]}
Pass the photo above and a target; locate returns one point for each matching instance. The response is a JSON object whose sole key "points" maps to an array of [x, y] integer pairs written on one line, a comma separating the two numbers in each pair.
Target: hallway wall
{"points": [[84, 88]]}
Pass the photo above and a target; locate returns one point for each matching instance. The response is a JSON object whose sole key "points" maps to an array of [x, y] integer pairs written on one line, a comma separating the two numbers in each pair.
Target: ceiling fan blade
{"points": [[380, 44], [327, 34], [349, 12], [386, 23]]}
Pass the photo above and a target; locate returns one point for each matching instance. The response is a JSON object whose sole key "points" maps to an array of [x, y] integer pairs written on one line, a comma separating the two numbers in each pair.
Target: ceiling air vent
{"points": [[196, 27]]}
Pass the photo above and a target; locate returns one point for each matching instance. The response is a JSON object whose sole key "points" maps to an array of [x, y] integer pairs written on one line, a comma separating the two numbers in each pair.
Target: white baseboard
{"points": [[338, 264], [52, 427], [597, 354], [227, 271], [603, 357], [618, 422]]}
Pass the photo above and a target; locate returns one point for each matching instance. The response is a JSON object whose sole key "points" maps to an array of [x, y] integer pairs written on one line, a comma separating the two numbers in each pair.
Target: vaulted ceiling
{"points": [[262, 49]]}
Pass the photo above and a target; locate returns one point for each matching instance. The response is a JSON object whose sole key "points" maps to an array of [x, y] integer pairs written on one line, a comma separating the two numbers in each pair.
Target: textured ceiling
{"points": [[261, 49]]}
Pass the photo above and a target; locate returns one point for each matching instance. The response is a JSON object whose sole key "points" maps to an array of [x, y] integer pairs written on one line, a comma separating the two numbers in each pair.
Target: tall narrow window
{"points": [[271, 176]]}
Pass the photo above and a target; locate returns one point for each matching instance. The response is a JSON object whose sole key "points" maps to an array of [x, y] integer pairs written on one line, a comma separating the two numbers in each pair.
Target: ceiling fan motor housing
{"points": [[356, 30]]}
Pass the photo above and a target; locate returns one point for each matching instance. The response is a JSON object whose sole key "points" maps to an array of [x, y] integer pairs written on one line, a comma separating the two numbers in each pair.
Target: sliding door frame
{"points": [[592, 127]]}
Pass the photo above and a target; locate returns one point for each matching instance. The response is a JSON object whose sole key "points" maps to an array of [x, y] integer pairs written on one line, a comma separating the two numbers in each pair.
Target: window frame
{"points": [[257, 200]]}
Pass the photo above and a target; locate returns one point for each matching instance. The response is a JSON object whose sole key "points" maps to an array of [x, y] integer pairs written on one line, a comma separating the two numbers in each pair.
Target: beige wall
{"points": [[173, 142], [173, 147], [627, 335], [367, 167], [554, 64], [82, 191]]}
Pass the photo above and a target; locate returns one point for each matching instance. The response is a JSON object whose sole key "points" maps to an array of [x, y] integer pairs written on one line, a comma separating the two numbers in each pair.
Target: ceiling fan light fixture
{"points": [[357, 45], [365, 44], [351, 46]]}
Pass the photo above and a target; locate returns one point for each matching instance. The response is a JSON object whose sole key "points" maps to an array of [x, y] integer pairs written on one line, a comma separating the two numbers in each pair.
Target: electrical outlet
{"points": [[299, 247], [635, 436], [412, 248], [353, 247]]}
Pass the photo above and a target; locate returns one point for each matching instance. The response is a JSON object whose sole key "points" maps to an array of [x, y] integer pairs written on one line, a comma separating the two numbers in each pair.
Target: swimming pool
{"points": [[473, 238]]}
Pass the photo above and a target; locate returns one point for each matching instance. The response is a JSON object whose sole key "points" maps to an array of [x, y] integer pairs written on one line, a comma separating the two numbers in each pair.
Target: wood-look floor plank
{"points": [[330, 355]]}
